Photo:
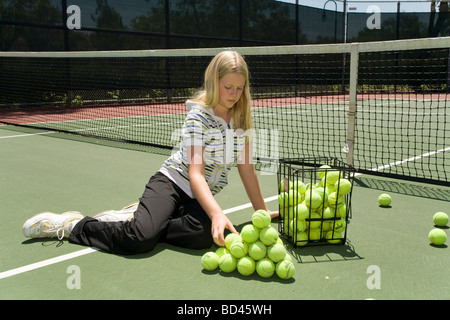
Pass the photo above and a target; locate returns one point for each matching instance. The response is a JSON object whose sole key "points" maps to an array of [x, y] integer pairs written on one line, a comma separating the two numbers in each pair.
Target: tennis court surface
{"points": [[89, 137], [47, 173]]}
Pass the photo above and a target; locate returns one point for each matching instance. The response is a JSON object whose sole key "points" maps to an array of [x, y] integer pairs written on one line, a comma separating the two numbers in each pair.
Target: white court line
{"points": [[396, 163], [45, 263], [26, 135]]}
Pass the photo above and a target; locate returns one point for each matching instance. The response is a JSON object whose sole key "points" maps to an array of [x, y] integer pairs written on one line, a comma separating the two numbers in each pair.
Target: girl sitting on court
{"points": [[178, 205]]}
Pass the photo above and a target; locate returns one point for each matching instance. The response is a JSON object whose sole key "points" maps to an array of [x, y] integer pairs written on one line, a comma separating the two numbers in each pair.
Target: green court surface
{"points": [[387, 255]]}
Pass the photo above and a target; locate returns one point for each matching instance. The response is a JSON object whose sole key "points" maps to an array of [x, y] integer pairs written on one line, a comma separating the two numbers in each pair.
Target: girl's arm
{"points": [[249, 178], [200, 188]]}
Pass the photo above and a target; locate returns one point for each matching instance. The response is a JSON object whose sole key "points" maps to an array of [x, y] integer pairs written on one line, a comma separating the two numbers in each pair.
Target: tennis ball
{"points": [[227, 263], [298, 225], [329, 212], [294, 197], [314, 234], [261, 219], [283, 199], [440, 219], [342, 211], [333, 237], [339, 225], [437, 236], [300, 186], [332, 176], [246, 266], [285, 185], [384, 200], [335, 201], [250, 233], [265, 268], [285, 269], [301, 238], [257, 250], [300, 211], [221, 251], [276, 252], [323, 193], [322, 171], [210, 261], [343, 187], [313, 224], [268, 235], [230, 238], [327, 225], [239, 249], [313, 199]]}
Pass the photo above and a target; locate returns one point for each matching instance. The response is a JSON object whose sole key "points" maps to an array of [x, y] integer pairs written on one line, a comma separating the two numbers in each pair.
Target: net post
{"points": [[354, 64]]}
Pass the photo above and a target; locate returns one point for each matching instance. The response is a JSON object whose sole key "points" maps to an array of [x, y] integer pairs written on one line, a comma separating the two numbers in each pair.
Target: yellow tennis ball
{"points": [[384, 200], [332, 176], [227, 263], [284, 187], [221, 251], [313, 199], [250, 233], [257, 250], [329, 212], [437, 236], [300, 186], [313, 224], [268, 235], [265, 268], [285, 269], [261, 219], [323, 170], [339, 225], [210, 261], [239, 248], [440, 219], [276, 252], [297, 225], [343, 186], [294, 197], [333, 237], [335, 201], [301, 238], [246, 266], [230, 238], [300, 211], [314, 234]]}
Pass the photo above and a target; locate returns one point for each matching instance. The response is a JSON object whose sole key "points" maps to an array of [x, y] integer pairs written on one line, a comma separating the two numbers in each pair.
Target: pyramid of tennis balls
{"points": [[256, 249], [314, 212]]}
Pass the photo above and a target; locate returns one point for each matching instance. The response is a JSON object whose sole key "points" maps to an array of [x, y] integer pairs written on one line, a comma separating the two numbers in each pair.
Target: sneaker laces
{"points": [[55, 231]]}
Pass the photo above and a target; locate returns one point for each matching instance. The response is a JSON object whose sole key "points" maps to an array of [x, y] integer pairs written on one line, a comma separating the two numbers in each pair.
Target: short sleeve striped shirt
{"points": [[222, 145]]}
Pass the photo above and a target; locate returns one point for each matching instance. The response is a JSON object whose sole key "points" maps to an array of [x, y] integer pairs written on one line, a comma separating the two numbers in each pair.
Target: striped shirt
{"points": [[222, 145]]}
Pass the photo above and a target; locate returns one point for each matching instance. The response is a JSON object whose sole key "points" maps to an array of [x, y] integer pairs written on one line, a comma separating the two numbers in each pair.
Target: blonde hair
{"points": [[223, 63]]}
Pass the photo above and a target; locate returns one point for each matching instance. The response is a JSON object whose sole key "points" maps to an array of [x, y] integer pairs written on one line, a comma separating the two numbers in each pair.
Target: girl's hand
{"points": [[273, 214], [219, 223]]}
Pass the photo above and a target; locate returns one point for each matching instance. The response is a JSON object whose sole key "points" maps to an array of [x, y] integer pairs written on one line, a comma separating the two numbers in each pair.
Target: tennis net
{"points": [[382, 107]]}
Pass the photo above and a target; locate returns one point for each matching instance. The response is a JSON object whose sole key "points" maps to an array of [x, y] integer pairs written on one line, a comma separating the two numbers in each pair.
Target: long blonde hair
{"points": [[223, 63]]}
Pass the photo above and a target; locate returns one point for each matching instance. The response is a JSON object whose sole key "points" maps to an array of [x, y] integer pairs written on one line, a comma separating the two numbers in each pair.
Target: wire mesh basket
{"points": [[314, 196]]}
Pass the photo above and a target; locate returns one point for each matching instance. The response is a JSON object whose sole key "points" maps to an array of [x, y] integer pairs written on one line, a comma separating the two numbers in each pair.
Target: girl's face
{"points": [[231, 87]]}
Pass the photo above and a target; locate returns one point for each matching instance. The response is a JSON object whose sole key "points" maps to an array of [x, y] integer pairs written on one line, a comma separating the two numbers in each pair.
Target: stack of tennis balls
{"points": [[438, 236], [257, 249], [314, 212]]}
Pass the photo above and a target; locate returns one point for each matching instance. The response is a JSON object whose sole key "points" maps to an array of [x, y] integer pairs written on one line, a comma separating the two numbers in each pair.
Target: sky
{"points": [[362, 5]]}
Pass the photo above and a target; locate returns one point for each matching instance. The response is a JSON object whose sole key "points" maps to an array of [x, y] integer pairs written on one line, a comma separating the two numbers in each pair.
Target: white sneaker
{"points": [[125, 214], [49, 225]]}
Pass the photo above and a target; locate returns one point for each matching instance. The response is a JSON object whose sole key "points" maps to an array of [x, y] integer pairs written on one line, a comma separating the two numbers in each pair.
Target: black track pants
{"points": [[165, 214]]}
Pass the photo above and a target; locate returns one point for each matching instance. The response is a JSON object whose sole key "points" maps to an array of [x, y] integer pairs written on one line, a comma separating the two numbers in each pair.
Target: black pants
{"points": [[165, 214]]}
